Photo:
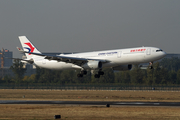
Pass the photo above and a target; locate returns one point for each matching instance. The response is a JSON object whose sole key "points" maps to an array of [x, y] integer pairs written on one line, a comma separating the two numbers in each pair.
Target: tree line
{"points": [[165, 72]]}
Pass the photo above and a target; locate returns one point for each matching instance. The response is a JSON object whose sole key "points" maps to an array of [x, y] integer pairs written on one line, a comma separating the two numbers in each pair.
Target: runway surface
{"points": [[91, 103]]}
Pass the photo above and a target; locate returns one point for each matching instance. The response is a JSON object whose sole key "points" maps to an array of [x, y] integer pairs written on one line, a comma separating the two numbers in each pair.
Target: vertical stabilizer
{"points": [[28, 46]]}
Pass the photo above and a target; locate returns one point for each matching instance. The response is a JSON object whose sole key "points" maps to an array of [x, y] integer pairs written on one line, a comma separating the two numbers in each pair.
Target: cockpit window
{"points": [[159, 50]]}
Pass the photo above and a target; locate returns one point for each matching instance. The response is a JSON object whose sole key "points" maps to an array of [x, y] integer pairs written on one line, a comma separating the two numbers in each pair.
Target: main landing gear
{"points": [[99, 74], [83, 72]]}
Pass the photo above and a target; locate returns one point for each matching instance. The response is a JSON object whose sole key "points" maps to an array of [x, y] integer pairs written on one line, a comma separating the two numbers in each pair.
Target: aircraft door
{"points": [[44, 61], [148, 51], [119, 54]]}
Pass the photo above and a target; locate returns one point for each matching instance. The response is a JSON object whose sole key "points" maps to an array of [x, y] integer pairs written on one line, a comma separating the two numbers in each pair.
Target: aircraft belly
{"points": [[131, 59], [54, 65], [110, 64], [152, 57]]}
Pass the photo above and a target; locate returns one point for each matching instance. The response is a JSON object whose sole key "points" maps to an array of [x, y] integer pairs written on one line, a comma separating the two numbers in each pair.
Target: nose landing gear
{"points": [[150, 65]]}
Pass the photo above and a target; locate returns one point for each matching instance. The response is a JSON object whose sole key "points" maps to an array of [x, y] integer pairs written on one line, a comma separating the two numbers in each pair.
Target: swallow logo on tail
{"points": [[31, 49]]}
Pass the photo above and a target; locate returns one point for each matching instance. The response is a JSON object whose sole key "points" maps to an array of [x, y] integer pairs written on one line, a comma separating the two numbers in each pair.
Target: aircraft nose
{"points": [[164, 54]]}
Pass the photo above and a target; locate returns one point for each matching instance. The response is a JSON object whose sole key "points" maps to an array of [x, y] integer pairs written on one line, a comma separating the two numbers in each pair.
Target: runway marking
{"points": [[91, 103]]}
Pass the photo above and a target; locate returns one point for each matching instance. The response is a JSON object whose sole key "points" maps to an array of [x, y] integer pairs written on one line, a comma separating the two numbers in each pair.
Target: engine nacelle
{"points": [[92, 65], [123, 67]]}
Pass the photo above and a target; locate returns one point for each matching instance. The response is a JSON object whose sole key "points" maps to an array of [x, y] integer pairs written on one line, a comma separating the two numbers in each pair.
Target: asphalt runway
{"points": [[91, 103]]}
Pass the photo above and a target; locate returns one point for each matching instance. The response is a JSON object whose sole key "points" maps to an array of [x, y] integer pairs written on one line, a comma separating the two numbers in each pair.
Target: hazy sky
{"points": [[90, 25]]}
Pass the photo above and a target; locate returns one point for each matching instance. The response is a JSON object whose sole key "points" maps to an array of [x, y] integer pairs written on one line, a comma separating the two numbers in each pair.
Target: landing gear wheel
{"points": [[97, 76], [150, 67], [84, 72], [79, 75], [101, 73]]}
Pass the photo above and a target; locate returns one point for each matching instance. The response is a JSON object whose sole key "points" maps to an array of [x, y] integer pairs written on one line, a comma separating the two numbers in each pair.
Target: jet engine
{"points": [[92, 65], [123, 67]]}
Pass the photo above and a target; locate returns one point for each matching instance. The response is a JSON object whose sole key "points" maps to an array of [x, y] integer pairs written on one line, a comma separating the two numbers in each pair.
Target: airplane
{"points": [[117, 59]]}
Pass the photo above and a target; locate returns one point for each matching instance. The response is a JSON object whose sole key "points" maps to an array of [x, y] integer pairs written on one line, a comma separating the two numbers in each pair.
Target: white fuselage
{"points": [[115, 57]]}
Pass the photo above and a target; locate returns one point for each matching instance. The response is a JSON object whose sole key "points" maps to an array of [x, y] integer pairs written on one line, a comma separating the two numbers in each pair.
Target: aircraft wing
{"points": [[67, 59]]}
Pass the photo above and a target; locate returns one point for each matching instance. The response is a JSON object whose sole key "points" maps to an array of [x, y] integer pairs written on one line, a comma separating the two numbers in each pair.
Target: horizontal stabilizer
{"points": [[31, 61]]}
